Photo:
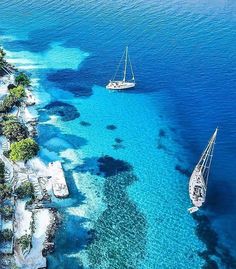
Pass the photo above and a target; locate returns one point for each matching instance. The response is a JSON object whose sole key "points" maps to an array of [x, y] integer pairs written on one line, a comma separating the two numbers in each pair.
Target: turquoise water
{"points": [[133, 213]]}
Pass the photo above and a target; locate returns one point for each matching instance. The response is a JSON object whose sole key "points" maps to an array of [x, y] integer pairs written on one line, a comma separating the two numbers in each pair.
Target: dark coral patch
{"points": [[182, 170], [120, 232], [118, 140], [161, 146], [209, 237], [206, 234], [66, 111], [118, 146], [67, 80], [110, 166], [162, 133], [32, 43], [111, 127], [85, 123]]}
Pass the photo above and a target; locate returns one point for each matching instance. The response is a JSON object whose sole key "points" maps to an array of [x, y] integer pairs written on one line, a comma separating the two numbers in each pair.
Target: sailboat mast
{"points": [[206, 158], [126, 59]]}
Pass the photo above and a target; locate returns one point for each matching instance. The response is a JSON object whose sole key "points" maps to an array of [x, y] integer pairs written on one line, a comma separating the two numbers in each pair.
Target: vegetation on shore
{"points": [[23, 150], [6, 211], [13, 130], [22, 79], [22, 147], [2, 172], [14, 98], [6, 235], [5, 191], [25, 190], [24, 241], [2, 58]]}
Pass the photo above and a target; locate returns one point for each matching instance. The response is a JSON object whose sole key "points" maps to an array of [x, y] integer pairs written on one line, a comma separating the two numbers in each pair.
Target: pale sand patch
{"points": [[34, 259], [22, 219]]}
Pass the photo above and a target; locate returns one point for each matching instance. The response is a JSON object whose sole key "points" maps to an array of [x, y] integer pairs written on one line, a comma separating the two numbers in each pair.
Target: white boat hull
{"points": [[197, 188], [120, 85], [199, 178]]}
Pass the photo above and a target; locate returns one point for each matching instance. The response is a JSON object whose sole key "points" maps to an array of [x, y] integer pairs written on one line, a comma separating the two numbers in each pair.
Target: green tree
{"points": [[6, 211], [18, 92], [24, 241], [2, 58], [5, 191], [8, 103], [2, 172], [23, 150], [25, 190], [22, 79], [6, 235], [14, 130]]}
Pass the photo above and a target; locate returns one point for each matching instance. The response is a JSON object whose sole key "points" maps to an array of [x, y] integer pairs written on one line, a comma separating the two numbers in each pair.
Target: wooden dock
{"points": [[59, 185]]}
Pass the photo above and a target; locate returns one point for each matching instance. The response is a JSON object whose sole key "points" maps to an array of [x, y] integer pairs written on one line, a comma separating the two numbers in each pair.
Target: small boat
{"points": [[124, 83], [199, 178]]}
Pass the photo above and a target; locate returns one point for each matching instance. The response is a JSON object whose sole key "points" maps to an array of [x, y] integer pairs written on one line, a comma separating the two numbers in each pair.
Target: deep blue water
{"points": [[184, 58]]}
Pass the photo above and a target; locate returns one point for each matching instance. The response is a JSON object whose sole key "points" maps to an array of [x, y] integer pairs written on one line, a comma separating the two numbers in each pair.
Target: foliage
{"points": [[14, 98], [6, 235], [8, 103], [25, 190], [6, 153], [18, 92], [22, 79], [11, 86], [14, 130], [6, 211], [9, 117], [2, 171], [5, 191], [23, 150], [2, 58], [24, 241]]}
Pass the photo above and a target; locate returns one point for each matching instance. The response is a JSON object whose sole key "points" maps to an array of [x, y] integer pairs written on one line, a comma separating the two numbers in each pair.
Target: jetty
{"points": [[59, 185]]}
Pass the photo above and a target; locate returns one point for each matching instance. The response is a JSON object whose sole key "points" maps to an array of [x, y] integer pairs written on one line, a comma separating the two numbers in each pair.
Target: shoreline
{"points": [[34, 221]]}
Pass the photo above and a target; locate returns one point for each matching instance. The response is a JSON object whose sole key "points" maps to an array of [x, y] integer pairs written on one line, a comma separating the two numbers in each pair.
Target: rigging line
{"points": [[131, 68], [208, 171], [208, 152], [118, 67]]}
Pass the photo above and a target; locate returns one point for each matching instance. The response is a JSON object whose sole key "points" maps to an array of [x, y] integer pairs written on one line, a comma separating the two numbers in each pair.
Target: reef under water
{"points": [[66, 111], [120, 232], [214, 249]]}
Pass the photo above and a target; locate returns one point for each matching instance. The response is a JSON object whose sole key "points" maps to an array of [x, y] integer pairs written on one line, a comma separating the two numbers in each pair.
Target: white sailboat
{"points": [[199, 178], [124, 83]]}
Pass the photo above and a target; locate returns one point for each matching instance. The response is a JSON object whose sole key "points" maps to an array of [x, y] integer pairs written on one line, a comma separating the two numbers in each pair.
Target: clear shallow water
{"points": [[184, 57]]}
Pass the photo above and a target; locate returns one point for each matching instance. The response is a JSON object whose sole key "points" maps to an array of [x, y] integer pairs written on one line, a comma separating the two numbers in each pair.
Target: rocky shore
{"points": [[25, 178]]}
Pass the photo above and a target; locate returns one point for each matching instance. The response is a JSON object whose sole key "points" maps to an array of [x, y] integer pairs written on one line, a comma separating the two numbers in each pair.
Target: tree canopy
{"points": [[18, 92], [5, 191], [22, 79], [2, 171], [25, 190], [14, 130], [8, 103], [6, 235], [12, 99], [23, 150], [2, 57]]}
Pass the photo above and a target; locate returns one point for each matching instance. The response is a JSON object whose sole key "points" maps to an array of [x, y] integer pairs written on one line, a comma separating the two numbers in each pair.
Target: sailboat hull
{"points": [[197, 188], [120, 85], [199, 178]]}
